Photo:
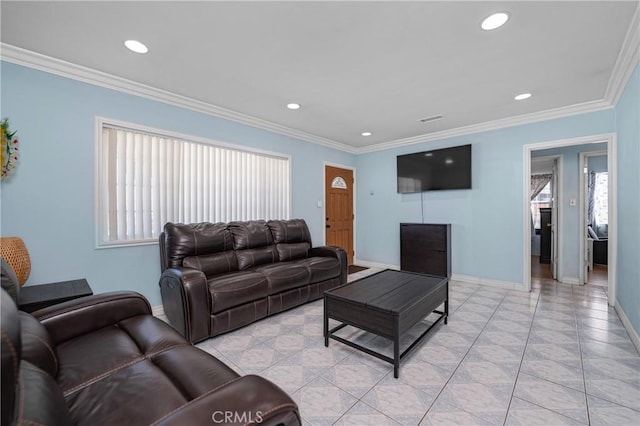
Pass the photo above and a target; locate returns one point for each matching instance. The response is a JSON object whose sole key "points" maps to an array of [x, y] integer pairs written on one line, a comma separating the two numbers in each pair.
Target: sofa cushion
{"points": [[37, 346], [252, 234], [182, 240], [285, 275], [292, 251], [235, 289], [87, 358], [9, 280], [214, 263], [168, 376], [249, 258], [290, 231], [11, 353], [321, 268], [40, 401]]}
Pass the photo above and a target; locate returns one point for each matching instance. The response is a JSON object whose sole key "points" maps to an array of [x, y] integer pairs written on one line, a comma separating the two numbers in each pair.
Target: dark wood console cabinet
{"points": [[426, 248]]}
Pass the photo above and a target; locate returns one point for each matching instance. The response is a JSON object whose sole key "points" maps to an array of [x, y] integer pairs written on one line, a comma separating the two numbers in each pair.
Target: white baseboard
{"points": [[507, 285], [628, 326], [455, 277], [569, 280], [368, 264]]}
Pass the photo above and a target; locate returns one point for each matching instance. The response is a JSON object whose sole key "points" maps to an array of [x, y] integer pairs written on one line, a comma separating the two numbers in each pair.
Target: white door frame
{"points": [[556, 176], [324, 202], [610, 140], [556, 216], [583, 202]]}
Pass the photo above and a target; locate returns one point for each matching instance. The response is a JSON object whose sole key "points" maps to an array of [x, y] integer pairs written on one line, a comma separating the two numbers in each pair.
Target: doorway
{"points": [[339, 217], [544, 195], [594, 218], [570, 202]]}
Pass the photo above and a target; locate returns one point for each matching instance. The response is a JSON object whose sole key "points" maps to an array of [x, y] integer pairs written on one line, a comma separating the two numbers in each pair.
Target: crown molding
{"points": [[27, 58], [626, 62], [624, 66], [493, 125]]}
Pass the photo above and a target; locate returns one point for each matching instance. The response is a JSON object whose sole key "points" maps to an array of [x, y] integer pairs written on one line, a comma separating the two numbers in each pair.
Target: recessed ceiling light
{"points": [[494, 21], [293, 106], [522, 96], [136, 46], [366, 133]]}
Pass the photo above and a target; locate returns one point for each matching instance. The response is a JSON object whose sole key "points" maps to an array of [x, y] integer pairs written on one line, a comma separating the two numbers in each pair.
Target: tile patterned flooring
{"points": [[556, 356]]}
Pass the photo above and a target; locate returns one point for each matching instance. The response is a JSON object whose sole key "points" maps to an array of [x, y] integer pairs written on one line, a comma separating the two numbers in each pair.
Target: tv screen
{"points": [[448, 168]]}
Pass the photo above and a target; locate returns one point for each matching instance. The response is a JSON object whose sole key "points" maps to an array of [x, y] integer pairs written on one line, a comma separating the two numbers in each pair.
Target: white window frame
{"points": [[100, 184]]}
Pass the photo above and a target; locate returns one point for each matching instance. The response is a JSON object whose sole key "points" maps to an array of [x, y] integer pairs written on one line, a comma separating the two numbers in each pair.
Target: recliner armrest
{"points": [[67, 320], [186, 302], [328, 251], [246, 400], [337, 252]]}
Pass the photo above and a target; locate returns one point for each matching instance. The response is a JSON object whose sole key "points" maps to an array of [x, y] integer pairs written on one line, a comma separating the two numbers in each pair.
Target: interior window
{"points": [[543, 199], [600, 196]]}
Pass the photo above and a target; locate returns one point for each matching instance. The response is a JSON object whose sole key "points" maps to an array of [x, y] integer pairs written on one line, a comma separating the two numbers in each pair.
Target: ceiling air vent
{"points": [[430, 119]]}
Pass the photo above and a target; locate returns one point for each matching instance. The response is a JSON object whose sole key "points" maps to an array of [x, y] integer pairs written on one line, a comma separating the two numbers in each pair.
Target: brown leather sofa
{"points": [[218, 277], [105, 360]]}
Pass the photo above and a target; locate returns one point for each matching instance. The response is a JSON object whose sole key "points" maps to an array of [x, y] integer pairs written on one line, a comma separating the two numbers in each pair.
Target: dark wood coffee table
{"points": [[386, 304]]}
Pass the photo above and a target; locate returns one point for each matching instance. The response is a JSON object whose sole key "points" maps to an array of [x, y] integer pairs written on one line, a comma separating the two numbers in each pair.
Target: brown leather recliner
{"points": [[218, 277], [105, 360]]}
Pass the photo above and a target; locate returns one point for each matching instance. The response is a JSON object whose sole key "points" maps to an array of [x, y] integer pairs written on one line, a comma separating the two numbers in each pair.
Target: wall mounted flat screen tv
{"points": [[447, 168]]}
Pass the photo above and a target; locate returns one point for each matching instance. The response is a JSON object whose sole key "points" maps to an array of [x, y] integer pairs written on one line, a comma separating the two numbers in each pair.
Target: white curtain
{"points": [[591, 190], [148, 180], [538, 182]]}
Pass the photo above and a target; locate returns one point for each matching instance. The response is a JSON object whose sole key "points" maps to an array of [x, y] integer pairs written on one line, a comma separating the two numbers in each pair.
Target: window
{"points": [[600, 197], [339, 182], [543, 199], [147, 177]]}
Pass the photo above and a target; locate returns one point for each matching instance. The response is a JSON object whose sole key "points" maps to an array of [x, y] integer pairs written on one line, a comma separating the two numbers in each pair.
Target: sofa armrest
{"points": [[244, 401], [67, 320], [337, 252], [186, 302]]}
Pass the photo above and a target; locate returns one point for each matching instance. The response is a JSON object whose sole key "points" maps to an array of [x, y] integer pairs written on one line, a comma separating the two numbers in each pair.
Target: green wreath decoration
{"points": [[8, 149]]}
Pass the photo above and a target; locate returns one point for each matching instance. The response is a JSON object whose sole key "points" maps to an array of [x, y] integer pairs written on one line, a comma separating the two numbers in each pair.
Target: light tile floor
{"points": [[558, 355]]}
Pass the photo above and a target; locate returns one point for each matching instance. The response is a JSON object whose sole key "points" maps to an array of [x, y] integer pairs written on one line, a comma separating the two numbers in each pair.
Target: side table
{"points": [[34, 297]]}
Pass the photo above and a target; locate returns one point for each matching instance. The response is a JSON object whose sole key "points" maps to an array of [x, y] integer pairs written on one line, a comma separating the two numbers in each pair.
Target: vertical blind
{"points": [[147, 180]]}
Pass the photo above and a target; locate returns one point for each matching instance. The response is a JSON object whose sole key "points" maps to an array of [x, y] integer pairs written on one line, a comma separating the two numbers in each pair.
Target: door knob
{"points": [[328, 226]]}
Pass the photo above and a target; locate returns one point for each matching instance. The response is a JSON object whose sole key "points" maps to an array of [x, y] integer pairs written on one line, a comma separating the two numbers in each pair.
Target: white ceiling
{"points": [[353, 66]]}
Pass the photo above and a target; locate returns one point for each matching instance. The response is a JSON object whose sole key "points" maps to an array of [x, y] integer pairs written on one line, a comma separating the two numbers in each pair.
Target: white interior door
{"points": [[586, 252], [554, 219]]}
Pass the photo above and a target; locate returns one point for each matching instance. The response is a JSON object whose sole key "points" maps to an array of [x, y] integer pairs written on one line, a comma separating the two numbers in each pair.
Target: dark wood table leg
{"points": [[326, 324], [446, 311], [446, 305], [396, 350]]}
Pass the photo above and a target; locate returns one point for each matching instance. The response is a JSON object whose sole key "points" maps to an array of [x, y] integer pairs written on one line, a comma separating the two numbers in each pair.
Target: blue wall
{"points": [[487, 237], [597, 163], [49, 202], [628, 270]]}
